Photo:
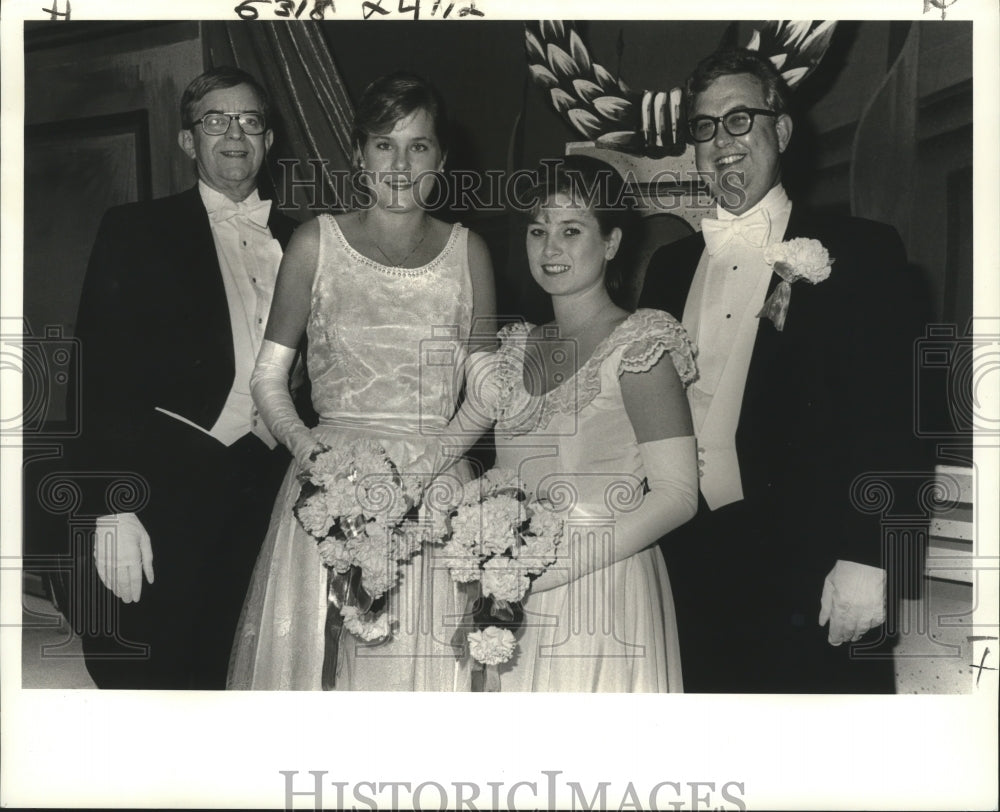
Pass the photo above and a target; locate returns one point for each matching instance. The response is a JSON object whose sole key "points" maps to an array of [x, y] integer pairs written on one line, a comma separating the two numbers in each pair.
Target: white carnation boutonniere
{"points": [[800, 258]]}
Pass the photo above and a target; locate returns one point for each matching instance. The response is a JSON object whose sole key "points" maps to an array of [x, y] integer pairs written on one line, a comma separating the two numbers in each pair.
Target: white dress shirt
{"points": [[727, 292], [248, 260]]}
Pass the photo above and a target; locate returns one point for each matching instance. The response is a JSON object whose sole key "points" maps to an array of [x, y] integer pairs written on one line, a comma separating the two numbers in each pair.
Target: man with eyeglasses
{"points": [[171, 318], [780, 580]]}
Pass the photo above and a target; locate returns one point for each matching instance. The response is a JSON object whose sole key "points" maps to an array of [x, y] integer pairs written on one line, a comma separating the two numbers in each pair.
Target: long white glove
{"points": [[122, 553], [853, 600], [269, 387], [672, 475], [476, 415], [482, 390]]}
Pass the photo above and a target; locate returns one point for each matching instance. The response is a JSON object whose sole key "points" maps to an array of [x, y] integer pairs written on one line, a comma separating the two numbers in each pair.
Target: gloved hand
{"points": [[482, 390], [269, 386], [671, 473], [853, 601], [122, 553]]}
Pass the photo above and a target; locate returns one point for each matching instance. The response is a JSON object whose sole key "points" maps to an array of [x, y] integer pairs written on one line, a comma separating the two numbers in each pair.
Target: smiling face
{"points": [[399, 165], [741, 169], [228, 163], [567, 252]]}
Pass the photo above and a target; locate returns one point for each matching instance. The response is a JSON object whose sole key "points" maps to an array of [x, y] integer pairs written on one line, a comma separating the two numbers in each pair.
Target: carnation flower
{"points": [[504, 579], [353, 501], [461, 561], [377, 628], [806, 258], [792, 260], [370, 457], [502, 479], [382, 496], [500, 517], [408, 538], [313, 515], [537, 554], [488, 539], [494, 480], [333, 553], [545, 522], [440, 523], [372, 551], [330, 465], [466, 525], [492, 645], [340, 498]]}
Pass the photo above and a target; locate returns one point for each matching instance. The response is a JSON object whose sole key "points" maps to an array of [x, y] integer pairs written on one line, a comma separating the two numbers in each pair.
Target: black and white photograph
{"points": [[639, 369]]}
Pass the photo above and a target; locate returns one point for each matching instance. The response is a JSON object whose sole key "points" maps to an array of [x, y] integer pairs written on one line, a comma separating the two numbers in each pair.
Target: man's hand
{"points": [[853, 601], [122, 553]]}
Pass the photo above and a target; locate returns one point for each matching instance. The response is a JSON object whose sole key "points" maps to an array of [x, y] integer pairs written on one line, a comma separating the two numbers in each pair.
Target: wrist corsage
{"points": [[800, 258]]}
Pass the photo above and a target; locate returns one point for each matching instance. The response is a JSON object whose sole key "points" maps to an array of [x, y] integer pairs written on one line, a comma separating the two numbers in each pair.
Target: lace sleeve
{"points": [[647, 335], [507, 366]]}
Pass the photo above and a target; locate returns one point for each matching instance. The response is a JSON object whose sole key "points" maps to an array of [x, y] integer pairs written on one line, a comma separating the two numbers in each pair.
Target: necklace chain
{"points": [[411, 252]]}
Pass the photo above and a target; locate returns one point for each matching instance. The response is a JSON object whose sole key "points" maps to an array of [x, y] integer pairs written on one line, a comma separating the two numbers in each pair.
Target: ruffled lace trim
{"points": [[654, 333], [645, 336], [391, 270]]}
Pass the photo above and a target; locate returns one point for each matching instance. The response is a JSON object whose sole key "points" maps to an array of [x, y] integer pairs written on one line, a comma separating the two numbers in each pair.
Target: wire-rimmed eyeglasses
{"points": [[736, 122], [252, 123]]}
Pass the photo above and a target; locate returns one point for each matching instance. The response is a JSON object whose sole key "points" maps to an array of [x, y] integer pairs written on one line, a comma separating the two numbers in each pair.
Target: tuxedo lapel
{"points": [[670, 273], [204, 277], [768, 371], [688, 261], [198, 298]]}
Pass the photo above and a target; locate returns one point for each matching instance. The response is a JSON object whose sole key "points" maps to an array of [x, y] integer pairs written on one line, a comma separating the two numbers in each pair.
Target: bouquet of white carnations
{"points": [[501, 539], [361, 511]]}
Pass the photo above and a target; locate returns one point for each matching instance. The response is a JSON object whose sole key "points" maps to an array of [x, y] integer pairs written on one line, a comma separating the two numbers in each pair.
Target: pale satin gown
{"points": [[384, 347], [613, 629]]}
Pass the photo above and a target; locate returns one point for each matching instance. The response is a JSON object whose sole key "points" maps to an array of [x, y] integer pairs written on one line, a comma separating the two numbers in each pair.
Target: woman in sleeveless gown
{"points": [[387, 298], [591, 414]]}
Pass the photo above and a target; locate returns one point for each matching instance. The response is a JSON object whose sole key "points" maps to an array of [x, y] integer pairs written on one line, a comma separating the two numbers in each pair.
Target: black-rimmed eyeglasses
{"points": [[218, 123], [736, 122]]}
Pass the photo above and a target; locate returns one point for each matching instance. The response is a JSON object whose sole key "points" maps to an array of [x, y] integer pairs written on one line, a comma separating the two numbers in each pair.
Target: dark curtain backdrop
{"points": [[313, 107], [884, 153]]}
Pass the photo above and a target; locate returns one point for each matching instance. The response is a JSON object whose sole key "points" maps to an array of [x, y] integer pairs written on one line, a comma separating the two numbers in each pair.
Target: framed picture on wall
{"points": [[74, 170]]}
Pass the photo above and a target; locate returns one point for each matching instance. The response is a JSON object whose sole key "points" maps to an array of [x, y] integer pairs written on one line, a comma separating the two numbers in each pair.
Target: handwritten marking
{"points": [[286, 9], [941, 4], [54, 12], [371, 7], [982, 667]]}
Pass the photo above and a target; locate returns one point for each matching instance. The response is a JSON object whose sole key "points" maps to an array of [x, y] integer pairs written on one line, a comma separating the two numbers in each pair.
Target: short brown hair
{"points": [[215, 79], [390, 99], [731, 61]]}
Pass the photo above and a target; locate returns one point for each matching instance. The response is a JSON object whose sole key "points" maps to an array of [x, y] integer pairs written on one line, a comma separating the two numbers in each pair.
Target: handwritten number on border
{"points": [[54, 12], [286, 8], [246, 10]]}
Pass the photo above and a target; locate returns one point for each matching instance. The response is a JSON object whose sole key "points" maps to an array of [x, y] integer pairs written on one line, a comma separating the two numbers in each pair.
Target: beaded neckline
{"points": [[390, 270]]}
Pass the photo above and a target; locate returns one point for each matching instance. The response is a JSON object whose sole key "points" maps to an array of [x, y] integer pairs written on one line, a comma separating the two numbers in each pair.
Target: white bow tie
{"points": [[754, 228], [257, 212]]}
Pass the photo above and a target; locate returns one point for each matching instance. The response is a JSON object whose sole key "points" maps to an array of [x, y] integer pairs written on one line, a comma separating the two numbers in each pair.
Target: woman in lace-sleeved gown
{"points": [[590, 412], [378, 293]]}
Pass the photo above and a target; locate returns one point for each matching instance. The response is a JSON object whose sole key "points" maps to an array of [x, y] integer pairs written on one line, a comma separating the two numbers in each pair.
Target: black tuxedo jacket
{"points": [[827, 401], [155, 332], [154, 329]]}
